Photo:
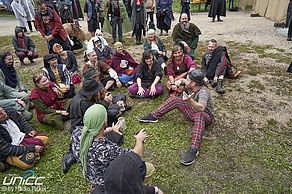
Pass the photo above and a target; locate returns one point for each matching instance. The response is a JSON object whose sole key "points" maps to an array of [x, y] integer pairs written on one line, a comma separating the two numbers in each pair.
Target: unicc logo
{"points": [[25, 178]]}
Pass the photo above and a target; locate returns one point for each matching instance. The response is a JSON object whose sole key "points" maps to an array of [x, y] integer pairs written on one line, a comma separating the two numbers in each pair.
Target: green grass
{"points": [[247, 150]]}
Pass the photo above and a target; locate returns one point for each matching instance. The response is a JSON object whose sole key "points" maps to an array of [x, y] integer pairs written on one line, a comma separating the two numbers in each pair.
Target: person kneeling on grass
{"points": [[94, 152], [196, 103], [148, 78], [20, 144]]}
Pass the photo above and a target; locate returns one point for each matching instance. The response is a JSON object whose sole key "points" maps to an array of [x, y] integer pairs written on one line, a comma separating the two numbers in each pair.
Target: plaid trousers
{"points": [[200, 118]]}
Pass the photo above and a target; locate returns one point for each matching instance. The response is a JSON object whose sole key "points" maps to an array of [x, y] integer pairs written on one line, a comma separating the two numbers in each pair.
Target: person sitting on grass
{"points": [[24, 46], [92, 92], [155, 44], [94, 152], [195, 103], [10, 77], [186, 35], [178, 67], [58, 74], [124, 64], [49, 109], [104, 53], [148, 78], [66, 57], [216, 63], [20, 144], [7, 99], [123, 176], [102, 68]]}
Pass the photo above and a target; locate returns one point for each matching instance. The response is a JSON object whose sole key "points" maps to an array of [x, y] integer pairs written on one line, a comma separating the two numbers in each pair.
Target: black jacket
{"points": [[27, 41], [6, 148]]}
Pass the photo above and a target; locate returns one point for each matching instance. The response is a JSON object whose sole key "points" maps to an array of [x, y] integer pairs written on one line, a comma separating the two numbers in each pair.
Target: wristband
{"points": [[172, 84], [107, 130]]}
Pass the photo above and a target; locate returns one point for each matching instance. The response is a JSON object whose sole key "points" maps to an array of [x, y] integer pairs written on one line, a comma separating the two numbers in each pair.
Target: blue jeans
{"points": [[117, 21]]}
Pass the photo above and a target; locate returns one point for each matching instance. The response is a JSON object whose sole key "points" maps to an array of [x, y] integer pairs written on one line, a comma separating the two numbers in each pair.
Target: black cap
{"points": [[197, 76], [90, 87]]}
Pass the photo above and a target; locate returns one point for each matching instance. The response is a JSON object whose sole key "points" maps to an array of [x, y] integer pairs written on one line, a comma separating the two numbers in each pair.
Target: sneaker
{"points": [[148, 119], [189, 157]]}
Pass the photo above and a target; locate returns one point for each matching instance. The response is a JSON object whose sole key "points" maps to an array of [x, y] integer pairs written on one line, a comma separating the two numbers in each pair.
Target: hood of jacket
{"points": [[18, 29]]}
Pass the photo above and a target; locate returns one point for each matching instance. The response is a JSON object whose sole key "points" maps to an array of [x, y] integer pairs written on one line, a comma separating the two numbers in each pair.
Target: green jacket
{"points": [[161, 46]]}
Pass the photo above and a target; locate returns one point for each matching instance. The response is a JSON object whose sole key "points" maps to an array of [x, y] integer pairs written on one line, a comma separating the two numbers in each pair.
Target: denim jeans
{"points": [[117, 21]]}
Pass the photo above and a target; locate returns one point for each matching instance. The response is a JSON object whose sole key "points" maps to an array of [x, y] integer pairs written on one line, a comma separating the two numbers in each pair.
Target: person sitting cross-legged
{"points": [[124, 64], [20, 144], [217, 65], [148, 78], [104, 53], [195, 103], [94, 152]]}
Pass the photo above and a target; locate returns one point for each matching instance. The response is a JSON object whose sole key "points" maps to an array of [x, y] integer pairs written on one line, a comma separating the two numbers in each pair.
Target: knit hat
{"points": [[197, 76], [151, 31], [93, 120], [117, 44], [47, 58]]}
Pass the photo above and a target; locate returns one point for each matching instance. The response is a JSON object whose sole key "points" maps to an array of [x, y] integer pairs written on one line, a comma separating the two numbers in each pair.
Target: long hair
{"points": [[175, 48], [146, 55], [155, 39]]}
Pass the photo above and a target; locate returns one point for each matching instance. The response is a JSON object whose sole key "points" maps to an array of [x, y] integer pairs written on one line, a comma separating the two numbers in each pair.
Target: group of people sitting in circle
{"points": [[94, 111]]}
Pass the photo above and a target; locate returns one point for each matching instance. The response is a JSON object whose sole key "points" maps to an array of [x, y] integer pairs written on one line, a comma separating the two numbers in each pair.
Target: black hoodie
{"points": [[123, 176], [27, 41]]}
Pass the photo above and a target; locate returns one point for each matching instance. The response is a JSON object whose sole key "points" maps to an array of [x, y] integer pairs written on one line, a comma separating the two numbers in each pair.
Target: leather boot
{"points": [[220, 88], [68, 160], [213, 84]]}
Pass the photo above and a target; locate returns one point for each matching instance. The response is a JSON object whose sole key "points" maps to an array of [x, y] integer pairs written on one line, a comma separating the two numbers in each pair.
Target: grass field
{"points": [[247, 150]]}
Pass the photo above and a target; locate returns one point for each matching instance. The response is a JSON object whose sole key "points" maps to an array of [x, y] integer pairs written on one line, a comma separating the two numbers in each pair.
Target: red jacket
{"points": [[54, 21]]}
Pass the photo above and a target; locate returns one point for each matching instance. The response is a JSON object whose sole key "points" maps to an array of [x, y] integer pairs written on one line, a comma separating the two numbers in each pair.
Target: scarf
{"points": [[9, 71], [93, 120], [21, 43]]}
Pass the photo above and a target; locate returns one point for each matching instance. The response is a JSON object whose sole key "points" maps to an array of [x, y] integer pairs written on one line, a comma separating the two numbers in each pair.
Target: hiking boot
{"points": [[220, 88], [289, 39], [22, 63], [148, 119], [4, 166], [31, 61], [189, 157], [213, 84], [68, 160]]}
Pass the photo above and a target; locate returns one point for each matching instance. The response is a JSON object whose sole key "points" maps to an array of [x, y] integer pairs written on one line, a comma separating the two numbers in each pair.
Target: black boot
{"points": [[220, 88], [213, 84], [68, 160]]}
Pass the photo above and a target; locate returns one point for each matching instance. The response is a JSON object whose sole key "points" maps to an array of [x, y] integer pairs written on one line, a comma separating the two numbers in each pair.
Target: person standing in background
{"points": [[19, 14], [28, 6]]}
